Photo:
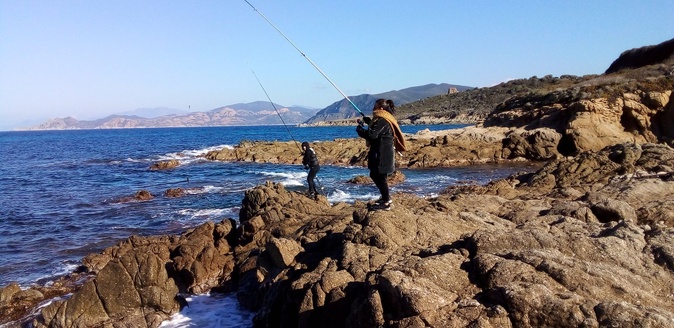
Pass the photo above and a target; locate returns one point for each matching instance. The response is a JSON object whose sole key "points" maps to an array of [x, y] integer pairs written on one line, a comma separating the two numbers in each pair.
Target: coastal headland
{"points": [[584, 241]]}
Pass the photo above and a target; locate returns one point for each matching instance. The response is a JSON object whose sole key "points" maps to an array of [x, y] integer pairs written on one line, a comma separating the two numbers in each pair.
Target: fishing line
{"points": [[307, 58], [320, 186], [277, 112]]}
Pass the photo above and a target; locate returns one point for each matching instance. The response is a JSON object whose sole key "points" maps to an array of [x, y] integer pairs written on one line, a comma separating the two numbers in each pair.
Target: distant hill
{"points": [[475, 104], [343, 110], [153, 112], [640, 57], [255, 113]]}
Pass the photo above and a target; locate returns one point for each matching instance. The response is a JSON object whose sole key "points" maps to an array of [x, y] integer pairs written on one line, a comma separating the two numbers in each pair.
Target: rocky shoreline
{"points": [[585, 241], [447, 148]]}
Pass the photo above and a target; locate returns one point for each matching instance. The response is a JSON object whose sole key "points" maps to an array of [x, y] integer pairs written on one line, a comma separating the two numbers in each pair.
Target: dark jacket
{"points": [[310, 158], [381, 156]]}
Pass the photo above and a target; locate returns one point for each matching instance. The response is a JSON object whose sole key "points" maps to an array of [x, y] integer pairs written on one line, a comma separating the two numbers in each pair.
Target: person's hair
{"points": [[385, 104]]}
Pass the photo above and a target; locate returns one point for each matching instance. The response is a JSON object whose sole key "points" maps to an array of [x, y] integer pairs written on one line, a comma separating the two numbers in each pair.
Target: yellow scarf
{"points": [[399, 141]]}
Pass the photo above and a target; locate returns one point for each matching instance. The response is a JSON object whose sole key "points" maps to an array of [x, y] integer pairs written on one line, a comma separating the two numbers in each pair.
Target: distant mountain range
{"points": [[342, 110], [255, 113], [154, 112]]}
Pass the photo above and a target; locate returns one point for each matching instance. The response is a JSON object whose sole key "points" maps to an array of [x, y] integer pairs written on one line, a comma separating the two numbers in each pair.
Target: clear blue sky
{"points": [[89, 59]]}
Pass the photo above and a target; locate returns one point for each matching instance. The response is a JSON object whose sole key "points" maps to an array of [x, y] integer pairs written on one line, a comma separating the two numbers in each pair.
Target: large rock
{"points": [[137, 282], [588, 120], [165, 165], [134, 288], [575, 252]]}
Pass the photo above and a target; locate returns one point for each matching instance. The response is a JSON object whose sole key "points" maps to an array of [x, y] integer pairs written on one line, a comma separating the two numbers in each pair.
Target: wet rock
{"points": [[121, 291], [201, 261], [8, 291], [393, 179], [361, 179], [143, 195], [140, 195], [165, 165], [136, 282], [17, 302], [174, 192]]}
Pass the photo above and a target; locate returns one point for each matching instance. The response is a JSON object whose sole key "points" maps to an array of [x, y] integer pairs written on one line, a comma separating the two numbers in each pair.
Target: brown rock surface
{"points": [[137, 282], [395, 178], [590, 114], [516, 253], [165, 165], [582, 123], [584, 241], [470, 145]]}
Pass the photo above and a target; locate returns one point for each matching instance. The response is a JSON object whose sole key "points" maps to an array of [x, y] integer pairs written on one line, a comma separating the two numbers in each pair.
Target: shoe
{"points": [[382, 202], [382, 207]]}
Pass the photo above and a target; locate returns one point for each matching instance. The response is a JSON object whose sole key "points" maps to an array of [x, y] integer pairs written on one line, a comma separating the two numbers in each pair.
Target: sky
{"points": [[89, 59]]}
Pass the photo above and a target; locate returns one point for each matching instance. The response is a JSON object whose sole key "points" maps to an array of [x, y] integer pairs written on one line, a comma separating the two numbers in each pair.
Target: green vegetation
{"points": [[478, 103]]}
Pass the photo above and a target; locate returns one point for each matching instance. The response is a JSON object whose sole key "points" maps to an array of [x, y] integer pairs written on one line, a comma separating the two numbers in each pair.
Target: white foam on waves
{"points": [[206, 311], [204, 190], [59, 271], [343, 196], [204, 151], [191, 155], [288, 178], [206, 213]]}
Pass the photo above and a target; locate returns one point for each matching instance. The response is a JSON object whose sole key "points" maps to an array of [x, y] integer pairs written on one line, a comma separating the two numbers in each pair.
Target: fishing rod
{"points": [[307, 58], [277, 112]]}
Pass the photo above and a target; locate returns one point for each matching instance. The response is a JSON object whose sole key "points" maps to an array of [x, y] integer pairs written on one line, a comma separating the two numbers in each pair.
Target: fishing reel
{"points": [[364, 121]]}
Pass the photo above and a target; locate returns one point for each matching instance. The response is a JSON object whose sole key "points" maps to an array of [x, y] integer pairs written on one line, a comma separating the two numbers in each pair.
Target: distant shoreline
{"points": [[300, 125]]}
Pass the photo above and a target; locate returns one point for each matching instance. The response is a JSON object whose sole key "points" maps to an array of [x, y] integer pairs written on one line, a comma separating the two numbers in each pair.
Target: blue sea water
{"points": [[63, 191]]}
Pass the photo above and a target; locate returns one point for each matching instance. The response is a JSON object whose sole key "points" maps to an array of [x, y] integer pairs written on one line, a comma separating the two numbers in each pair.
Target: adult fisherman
{"points": [[310, 162], [385, 138]]}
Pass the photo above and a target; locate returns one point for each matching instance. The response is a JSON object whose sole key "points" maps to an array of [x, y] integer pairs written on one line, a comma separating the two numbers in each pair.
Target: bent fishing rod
{"points": [[277, 112], [307, 58]]}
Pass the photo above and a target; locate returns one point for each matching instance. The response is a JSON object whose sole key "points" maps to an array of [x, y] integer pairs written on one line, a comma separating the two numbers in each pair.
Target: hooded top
{"points": [[310, 158], [380, 136]]}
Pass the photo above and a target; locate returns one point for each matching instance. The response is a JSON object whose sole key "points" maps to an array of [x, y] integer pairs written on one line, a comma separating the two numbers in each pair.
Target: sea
{"points": [[64, 194]]}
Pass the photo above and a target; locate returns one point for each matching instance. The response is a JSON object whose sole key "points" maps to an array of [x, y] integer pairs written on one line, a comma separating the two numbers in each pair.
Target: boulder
{"points": [[165, 165], [282, 251], [137, 282], [174, 192], [143, 195], [393, 179]]}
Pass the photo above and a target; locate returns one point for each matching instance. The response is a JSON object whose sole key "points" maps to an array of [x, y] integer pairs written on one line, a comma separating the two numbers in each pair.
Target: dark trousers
{"points": [[310, 178], [381, 183]]}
